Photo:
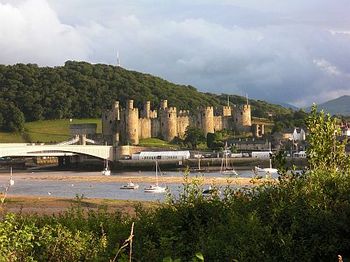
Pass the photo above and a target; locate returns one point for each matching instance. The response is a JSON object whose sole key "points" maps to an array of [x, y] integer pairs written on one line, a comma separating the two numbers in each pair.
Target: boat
{"points": [[268, 171], [225, 165], [106, 171], [11, 181], [130, 186], [210, 190], [156, 188]]}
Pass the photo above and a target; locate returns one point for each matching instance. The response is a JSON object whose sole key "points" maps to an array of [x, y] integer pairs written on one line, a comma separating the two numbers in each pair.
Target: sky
{"points": [[291, 51]]}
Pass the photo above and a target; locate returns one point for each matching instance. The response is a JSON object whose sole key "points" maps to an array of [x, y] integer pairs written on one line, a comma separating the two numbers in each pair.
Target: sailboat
{"points": [[156, 188], [11, 181], [106, 171], [225, 165], [265, 171]]}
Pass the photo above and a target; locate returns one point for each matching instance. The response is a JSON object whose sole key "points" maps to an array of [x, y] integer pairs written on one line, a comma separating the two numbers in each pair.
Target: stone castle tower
{"points": [[128, 125]]}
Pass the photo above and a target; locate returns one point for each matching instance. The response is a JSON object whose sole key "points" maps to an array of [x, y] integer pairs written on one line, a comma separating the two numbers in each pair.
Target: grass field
{"points": [[46, 131], [155, 142], [11, 138]]}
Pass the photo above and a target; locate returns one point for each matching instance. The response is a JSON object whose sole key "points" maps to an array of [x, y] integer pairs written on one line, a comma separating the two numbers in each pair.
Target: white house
{"points": [[298, 134]]}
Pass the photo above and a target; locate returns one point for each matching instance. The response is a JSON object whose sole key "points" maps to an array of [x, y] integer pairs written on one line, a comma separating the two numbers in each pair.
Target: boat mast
{"points": [[156, 173]]}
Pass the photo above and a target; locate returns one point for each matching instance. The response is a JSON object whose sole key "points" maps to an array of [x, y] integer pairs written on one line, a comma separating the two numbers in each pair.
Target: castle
{"points": [[121, 126]]}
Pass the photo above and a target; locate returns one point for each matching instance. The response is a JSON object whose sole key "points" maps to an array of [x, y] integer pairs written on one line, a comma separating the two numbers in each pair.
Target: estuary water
{"points": [[41, 184]]}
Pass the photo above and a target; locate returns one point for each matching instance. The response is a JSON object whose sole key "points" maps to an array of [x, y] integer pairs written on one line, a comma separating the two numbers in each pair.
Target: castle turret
{"points": [[243, 119], [164, 104], [168, 120], [146, 110], [132, 121], [226, 111], [207, 120]]}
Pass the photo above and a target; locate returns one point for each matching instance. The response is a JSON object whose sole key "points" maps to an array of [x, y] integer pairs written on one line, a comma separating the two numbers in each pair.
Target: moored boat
{"points": [[156, 188], [130, 186]]}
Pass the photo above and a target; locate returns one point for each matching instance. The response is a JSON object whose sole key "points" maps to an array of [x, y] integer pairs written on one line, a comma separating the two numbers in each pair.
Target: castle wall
{"points": [[127, 126], [218, 123], [155, 127], [182, 123], [145, 130]]}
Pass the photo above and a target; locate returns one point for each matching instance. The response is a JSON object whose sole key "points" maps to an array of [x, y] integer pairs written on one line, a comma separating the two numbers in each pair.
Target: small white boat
{"points": [[268, 171], [130, 186], [211, 190], [156, 188], [106, 171]]}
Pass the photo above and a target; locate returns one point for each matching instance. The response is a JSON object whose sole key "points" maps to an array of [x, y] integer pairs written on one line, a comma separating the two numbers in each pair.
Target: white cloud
{"points": [[327, 67], [30, 32]]}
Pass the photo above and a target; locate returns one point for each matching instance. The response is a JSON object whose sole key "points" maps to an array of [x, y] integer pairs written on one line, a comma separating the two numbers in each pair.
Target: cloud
{"points": [[30, 32], [290, 51]]}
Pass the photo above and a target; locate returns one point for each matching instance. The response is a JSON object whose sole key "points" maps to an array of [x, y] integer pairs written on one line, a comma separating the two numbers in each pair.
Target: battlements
{"points": [[171, 110], [184, 113]]}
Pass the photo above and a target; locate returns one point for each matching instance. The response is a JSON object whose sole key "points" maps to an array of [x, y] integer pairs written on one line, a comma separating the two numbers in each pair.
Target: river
{"points": [[92, 185]]}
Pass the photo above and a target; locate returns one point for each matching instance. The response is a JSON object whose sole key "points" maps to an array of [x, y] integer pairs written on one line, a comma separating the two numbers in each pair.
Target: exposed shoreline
{"points": [[139, 178]]}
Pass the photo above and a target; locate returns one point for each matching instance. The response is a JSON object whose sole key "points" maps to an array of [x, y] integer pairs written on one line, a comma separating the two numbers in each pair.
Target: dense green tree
{"points": [[194, 136], [215, 141]]}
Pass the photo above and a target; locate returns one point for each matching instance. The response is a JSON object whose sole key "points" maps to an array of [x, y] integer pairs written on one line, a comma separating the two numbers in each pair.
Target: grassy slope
{"points": [[11, 138], [46, 131], [155, 142]]}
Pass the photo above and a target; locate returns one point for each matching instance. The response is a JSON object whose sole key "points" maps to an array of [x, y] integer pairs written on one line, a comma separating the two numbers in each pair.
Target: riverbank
{"points": [[55, 205]]}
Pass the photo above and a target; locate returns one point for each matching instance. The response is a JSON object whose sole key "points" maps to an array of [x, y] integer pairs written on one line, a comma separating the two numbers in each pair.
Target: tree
{"points": [[194, 136], [214, 141], [325, 150], [12, 118]]}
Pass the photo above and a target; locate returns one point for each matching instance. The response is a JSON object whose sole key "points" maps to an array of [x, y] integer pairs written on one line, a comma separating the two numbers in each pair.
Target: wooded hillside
{"points": [[82, 90]]}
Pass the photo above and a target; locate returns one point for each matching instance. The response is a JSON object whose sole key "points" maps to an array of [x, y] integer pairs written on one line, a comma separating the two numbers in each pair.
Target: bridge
{"points": [[28, 150]]}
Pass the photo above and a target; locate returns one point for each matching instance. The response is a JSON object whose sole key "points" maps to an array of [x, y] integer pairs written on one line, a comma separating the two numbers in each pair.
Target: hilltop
{"points": [[338, 106], [82, 90]]}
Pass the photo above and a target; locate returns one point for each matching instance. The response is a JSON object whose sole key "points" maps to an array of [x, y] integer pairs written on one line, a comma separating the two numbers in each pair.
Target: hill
{"points": [[338, 106], [82, 90]]}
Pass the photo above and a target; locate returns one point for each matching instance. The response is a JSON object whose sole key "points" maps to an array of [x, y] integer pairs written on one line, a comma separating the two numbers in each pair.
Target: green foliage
{"points": [[11, 118], [289, 120], [325, 152], [215, 141], [194, 136]]}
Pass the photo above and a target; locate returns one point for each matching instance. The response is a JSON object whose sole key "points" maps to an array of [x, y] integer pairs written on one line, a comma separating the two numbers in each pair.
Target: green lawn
{"points": [[11, 138], [46, 131], [155, 142]]}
